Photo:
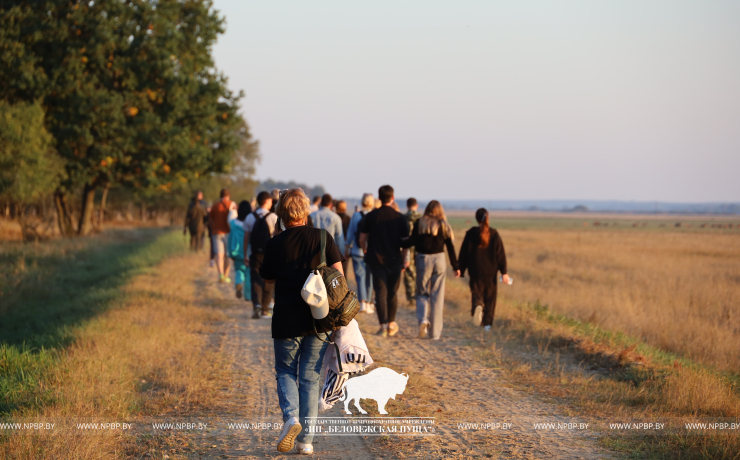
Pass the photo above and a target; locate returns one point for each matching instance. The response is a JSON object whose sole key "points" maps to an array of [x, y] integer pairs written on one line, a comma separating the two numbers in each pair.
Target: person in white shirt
{"points": [[259, 226]]}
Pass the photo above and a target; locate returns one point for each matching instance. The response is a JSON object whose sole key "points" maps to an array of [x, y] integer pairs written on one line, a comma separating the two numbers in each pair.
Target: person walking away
{"points": [[315, 204], [275, 195], [195, 223], [211, 251], [353, 249], [342, 213], [328, 220], [218, 219], [409, 275], [431, 234], [237, 251], [382, 233], [341, 208], [259, 227], [482, 254], [207, 207], [299, 352]]}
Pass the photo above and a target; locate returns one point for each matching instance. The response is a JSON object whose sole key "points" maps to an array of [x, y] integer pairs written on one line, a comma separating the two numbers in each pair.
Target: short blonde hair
{"points": [[368, 201], [293, 206]]}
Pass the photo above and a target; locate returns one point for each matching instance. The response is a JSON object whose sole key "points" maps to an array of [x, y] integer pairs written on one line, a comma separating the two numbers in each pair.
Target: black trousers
{"points": [[386, 281], [483, 292], [210, 242], [261, 291]]}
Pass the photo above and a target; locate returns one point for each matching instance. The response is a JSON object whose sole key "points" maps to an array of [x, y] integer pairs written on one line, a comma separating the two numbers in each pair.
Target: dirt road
{"points": [[447, 382]]}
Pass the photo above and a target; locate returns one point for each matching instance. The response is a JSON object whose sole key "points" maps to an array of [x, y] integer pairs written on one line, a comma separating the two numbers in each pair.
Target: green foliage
{"points": [[48, 291], [29, 169], [131, 91], [311, 192]]}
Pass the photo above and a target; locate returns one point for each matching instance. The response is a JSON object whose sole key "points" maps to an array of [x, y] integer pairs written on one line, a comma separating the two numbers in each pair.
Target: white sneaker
{"points": [[286, 440], [363, 306], [370, 308], [487, 328], [478, 315], [304, 449]]}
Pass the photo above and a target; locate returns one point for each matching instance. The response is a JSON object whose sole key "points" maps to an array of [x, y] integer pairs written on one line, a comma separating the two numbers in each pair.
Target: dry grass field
{"points": [[611, 322], [676, 290], [605, 378], [143, 354], [624, 322]]}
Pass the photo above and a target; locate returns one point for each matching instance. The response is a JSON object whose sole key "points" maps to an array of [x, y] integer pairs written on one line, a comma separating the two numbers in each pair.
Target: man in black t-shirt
{"points": [[299, 352], [289, 259], [381, 235]]}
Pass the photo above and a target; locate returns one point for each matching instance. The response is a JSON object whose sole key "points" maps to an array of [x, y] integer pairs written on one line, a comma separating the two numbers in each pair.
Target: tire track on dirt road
{"points": [[466, 391], [457, 387], [251, 396]]}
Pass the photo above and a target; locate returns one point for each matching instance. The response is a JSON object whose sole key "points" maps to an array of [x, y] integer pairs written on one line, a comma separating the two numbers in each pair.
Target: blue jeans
{"points": [[298, 371], [363, 277]]}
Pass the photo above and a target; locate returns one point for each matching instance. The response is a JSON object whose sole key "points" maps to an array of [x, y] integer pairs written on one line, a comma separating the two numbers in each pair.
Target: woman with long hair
{"points": [[430, 236], [482, 253]]}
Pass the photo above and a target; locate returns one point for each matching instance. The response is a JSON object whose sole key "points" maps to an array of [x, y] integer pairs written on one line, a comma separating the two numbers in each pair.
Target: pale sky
{"points": [[626, 100]]}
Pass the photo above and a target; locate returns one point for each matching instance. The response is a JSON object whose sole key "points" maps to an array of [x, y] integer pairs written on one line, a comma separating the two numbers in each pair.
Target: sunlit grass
{"points": [[129, 339]]}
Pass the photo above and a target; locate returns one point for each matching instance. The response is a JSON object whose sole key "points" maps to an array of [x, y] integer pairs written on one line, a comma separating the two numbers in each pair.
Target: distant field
{"points": [[591, 221], [676, 287]]}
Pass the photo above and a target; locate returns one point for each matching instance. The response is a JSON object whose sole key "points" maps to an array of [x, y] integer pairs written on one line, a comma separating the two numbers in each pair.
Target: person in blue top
{"points": [[237, 251], [325, 218], [362, 275]]}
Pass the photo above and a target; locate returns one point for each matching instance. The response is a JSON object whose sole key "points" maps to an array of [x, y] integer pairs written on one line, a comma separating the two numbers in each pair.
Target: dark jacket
{"points": [[482, 262], [345, 223], [431, 244], [195, 217]]}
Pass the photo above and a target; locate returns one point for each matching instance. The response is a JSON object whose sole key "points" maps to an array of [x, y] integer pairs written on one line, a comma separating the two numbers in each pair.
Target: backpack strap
{"points": [[322, 264], [336, 347]]}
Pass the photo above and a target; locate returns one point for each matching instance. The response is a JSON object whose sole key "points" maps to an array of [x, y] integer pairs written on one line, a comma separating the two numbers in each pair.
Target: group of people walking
{"points": [[237, 233], [277, 245]]}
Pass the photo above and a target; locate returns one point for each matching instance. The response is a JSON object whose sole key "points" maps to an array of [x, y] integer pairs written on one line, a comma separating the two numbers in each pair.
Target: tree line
{"points": [[270, 184], [114, 95]]}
